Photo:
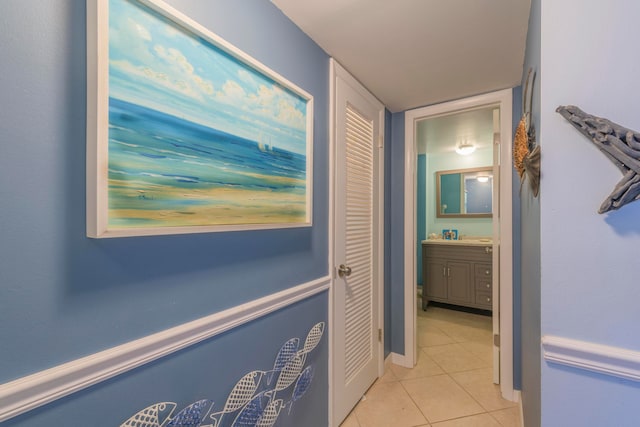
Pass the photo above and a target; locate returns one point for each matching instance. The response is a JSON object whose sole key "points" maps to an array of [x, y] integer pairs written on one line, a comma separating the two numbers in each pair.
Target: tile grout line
{"points": [[467, 391], [416, 403], [459, 342], [485, 411], [497, 420], [464, 388]]}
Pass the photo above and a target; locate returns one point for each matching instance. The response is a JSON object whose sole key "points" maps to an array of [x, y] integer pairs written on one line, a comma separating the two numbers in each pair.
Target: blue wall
{"points": [[396, 245], [208, 370], [589, 279], [516, 236], [65, 296]]}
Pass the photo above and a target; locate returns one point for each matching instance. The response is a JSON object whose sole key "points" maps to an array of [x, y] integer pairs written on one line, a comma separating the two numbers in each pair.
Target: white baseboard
{"points": [[30, 392], [388, 359], [603, 359], [521, 410], [510, 394], [401, 359]]}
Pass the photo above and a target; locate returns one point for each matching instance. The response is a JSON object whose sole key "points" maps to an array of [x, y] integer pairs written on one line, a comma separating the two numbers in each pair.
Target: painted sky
{"points": [[159, 65]]}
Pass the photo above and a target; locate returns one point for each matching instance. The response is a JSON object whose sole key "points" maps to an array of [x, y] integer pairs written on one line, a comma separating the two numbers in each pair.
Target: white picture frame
{"points": [[185, 132]]}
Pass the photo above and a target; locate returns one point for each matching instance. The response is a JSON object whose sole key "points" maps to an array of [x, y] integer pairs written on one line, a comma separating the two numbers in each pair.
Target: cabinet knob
{"points": [[488, 299], [487, 272], [488, 250], [488, 285]]}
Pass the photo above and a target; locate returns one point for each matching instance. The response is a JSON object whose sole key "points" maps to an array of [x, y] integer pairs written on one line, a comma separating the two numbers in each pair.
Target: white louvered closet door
{"points": [[356, 353]]}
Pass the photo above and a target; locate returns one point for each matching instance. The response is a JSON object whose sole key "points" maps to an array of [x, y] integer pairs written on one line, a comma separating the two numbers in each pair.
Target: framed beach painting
{"points": [[186, 133]]}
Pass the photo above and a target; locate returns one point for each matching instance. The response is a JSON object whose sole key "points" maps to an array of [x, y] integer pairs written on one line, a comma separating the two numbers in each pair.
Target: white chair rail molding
{"points": [[603, 359]]}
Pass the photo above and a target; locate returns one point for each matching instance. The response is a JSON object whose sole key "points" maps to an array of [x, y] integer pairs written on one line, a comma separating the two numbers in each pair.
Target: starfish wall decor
{"points": [[619, 144], [526, 152]]}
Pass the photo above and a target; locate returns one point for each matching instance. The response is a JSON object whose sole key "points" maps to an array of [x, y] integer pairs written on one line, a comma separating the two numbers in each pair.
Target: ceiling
{"points": [[441, 134], [412, 53]]}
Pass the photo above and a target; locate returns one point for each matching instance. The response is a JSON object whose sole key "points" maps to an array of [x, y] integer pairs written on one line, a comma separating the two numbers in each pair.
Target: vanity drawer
{"points": [[483, 270], [456, 251], [484, 298], [483, 285]]}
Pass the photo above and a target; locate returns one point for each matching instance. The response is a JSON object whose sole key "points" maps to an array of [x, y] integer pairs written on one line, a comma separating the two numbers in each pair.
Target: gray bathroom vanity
{"points": [[457, 272]]}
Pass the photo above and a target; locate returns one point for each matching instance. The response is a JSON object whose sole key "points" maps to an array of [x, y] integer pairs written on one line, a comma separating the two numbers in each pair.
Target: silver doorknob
{"points": [[344, 271]]}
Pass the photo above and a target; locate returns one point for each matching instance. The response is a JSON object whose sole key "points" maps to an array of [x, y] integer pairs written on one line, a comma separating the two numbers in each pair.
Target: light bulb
{"points": [[465, 149]]}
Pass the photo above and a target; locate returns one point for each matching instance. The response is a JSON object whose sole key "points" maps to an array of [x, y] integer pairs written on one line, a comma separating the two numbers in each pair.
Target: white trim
{"points": [[520, 408], [410, 305], [401, 360], [30, 392], [603, 359], [388, 359], [331, 204], [380, 260], [336, 70], [495, 229], [503, 99]]}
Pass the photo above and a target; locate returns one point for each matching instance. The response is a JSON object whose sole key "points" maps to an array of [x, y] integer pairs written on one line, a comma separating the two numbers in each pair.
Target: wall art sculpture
{"points": [[185, 132], [526, 152], [619, 144], [257, 399]]}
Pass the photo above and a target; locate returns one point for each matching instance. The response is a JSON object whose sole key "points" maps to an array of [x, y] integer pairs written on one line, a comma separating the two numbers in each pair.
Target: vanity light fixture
{"points": [[482, 178], [465, 148]]}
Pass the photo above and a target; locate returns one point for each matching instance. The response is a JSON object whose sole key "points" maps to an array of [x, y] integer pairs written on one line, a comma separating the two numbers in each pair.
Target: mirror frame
{"points": [[460, 215]]}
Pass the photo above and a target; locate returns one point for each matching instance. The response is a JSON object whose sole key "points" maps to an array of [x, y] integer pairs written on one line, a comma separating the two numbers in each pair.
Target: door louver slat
{"points": [[359, 241]]}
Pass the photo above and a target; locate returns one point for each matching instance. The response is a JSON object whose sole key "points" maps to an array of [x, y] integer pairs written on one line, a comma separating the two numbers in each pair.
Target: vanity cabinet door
{"points": [[436, 279], [456, 274], [459, 275]]}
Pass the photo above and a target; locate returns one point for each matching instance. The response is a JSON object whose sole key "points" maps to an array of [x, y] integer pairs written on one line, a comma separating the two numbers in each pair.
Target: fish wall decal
{"points": [[619, 144], [252, 402], [155, 415]]}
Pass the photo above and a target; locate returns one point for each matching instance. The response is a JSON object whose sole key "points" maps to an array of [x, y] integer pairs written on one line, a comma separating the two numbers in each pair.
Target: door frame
{"points": [[503, 100], [337, 71]]}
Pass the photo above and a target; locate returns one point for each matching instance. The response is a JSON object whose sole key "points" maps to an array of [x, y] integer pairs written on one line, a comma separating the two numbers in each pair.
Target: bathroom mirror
{"points": [[464, 193]]}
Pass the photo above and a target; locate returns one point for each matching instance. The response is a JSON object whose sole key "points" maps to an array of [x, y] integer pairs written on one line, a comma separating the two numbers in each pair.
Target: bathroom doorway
{"points": [[492, 152]]}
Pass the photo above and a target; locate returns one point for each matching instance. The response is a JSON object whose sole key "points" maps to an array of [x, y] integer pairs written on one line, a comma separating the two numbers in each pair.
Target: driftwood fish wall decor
{"points": [[526, 153], [619, 144]]}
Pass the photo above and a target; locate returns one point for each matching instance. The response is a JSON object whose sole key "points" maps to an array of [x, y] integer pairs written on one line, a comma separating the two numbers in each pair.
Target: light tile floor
{"points": [[451, 385]]}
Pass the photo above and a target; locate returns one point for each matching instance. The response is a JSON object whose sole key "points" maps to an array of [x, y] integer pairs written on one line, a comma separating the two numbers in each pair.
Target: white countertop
{"points": [[463, 242]]}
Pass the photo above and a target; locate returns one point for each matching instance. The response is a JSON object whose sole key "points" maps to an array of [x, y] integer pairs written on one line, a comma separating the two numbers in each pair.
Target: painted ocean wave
{"points": [[159, 162]]}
